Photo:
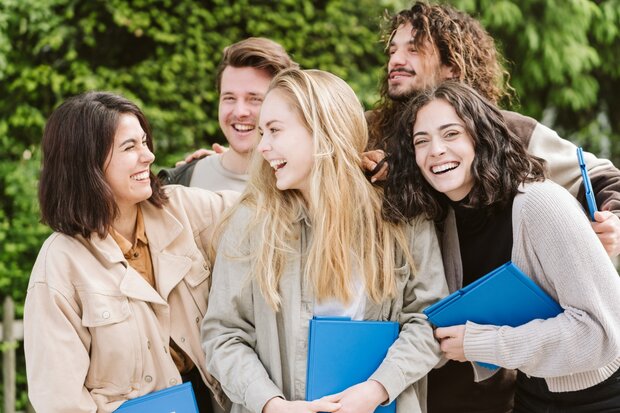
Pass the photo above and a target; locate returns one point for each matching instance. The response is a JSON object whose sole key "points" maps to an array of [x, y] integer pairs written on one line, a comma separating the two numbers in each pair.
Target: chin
{"points": [[401, 95]]}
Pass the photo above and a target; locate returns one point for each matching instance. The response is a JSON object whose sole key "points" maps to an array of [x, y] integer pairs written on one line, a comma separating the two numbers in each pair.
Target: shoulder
{"points": [[546, 203], [58, 255], [521, 125], [196, 200], [179, 175]]}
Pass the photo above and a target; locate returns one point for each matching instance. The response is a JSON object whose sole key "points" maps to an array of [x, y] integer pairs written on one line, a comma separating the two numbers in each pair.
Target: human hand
{"points": [[201, 153], [451, 341], [362, 398], [607, 228], [374, 163], [324, 404]]}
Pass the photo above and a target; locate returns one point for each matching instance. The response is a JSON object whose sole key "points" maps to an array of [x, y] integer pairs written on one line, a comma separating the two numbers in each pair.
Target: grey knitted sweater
{"points": [[554, 244]]}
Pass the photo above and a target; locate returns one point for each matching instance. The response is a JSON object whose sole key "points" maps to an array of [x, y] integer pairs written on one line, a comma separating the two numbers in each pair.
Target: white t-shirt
{"points": [[210, 174]]}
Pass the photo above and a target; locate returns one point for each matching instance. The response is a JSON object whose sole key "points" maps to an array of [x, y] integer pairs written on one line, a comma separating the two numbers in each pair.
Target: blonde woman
{"points": [[307, 238]]}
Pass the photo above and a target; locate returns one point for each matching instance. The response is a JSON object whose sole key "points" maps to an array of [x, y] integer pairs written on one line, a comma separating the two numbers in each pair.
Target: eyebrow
{"points": [[132, 140], [391, 43], [442, 127], [226, 93], [271, 122]]}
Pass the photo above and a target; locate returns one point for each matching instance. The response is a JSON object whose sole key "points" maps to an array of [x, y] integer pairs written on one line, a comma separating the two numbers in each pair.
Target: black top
{"points": [[485, 241]]}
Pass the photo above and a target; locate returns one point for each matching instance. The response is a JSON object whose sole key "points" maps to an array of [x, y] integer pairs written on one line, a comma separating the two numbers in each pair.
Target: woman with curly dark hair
{"points": [[455, 161]]}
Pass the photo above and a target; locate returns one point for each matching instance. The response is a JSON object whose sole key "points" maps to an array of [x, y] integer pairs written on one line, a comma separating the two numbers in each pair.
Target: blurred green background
{"points": [[564, 58]]}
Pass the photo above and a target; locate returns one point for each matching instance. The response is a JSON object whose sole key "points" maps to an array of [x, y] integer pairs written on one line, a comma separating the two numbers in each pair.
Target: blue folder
{"points": [[503, 297], [342, 353], [176, 399]]}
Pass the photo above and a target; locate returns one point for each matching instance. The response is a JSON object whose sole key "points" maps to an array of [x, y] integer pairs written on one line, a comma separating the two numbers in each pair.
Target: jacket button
{"points": [[148, 344], [197, 320], [148, 379], [182, 339], [205, 266], [105, 315], [173, 382]]}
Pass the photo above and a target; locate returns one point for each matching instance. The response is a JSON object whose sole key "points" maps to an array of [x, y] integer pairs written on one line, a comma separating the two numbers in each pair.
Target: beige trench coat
{"points": [[96, 333]]}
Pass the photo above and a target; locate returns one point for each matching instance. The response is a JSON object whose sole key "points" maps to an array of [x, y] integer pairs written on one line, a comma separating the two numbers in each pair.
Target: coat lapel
{"points": [[162, 229]]}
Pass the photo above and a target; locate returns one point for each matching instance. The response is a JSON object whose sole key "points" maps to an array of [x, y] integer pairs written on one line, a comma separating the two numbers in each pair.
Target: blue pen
{"points": [[587, 184]]}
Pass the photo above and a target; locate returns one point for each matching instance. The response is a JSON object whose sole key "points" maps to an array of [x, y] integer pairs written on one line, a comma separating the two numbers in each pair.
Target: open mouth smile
{"points": [[443, 168]]}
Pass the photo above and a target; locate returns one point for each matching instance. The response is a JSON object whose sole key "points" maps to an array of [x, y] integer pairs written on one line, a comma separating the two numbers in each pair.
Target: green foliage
{"points": [[564, 61]]}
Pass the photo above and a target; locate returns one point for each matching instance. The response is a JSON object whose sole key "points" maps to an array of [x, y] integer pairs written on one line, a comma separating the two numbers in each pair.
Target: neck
{"points": [[236, 162], [125, 222]]}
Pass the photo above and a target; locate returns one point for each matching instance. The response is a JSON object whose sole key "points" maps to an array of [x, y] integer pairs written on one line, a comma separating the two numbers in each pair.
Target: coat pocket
{"points": [[115, 356], [198, 282], [102, 309]]}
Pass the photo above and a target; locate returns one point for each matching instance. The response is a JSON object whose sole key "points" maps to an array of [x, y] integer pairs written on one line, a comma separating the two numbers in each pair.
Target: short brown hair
{"points": [[73, 194], [257, 52]]}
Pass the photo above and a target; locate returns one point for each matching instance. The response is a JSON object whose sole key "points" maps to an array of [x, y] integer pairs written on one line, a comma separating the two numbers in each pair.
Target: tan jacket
{"points": [[96, 333], [258, 354]]}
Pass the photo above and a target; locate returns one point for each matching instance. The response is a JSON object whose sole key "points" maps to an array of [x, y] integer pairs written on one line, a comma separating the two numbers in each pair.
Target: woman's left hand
{"points": [[451, 341], [362, 398]]}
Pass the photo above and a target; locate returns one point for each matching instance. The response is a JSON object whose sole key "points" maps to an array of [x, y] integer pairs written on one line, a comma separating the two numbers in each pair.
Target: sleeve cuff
{"points": [[391, 378], [259, 392], [479, 343]]}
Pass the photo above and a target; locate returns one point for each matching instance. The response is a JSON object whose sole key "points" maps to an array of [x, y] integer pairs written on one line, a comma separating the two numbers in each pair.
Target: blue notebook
{"points": [[503, 297], [176, 399], [342, 353]]}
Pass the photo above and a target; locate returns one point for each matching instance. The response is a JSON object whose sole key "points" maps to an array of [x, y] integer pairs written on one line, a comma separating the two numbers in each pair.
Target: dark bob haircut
{"points": [[73, 194], [500, 165]]}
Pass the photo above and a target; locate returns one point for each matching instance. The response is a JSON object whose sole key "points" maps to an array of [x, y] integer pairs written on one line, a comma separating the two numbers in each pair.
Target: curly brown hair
{"points": [[463, 44], [500, 165]]}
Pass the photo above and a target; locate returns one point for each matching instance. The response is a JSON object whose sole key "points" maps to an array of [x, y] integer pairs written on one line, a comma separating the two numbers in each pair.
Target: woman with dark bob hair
{"points": [[118, 290], [455, 161]]}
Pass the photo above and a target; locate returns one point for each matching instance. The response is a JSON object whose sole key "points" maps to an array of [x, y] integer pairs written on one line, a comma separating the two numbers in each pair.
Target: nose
{"points": [[242, 109], [264, 145], [396, 59], [438, 147], [147, 156]]}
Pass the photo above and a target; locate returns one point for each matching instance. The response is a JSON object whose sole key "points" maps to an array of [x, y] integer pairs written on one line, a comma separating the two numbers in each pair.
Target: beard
{"points": [[402, 95]]}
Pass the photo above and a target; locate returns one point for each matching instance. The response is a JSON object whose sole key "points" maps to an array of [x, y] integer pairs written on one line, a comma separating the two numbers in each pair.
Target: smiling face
{"points": [[286, 144], [128, 165], [444, 150], [411, 69], [242, 90]]}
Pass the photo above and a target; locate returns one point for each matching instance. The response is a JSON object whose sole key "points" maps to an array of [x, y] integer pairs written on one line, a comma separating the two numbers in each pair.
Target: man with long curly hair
{"points": [[427, 44], [430, 43]]}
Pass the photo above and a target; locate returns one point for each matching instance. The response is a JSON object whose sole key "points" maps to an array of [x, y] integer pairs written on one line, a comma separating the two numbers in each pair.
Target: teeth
{"points": [[243, 128], [277, 164], [444, 167], [141, 176]]}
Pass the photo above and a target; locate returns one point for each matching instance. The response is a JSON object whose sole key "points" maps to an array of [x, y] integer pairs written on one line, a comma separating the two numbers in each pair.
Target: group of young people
{"points": [[144, 286]]}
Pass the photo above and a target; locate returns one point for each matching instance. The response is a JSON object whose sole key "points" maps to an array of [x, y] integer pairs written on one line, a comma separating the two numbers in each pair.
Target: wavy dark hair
{"points": [[500, 165], [73, 194], [463, 44]]}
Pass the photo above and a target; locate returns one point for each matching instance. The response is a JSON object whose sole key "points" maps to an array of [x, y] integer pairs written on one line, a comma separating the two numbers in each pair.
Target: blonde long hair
{"points": [[344, 209]]}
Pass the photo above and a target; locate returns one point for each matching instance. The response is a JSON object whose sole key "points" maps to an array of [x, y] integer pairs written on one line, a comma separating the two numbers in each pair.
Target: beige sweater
{"points": [[553, 243]]}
